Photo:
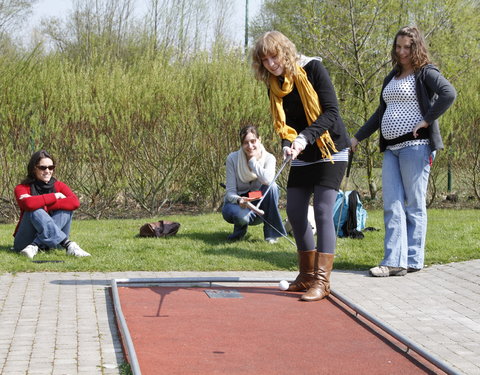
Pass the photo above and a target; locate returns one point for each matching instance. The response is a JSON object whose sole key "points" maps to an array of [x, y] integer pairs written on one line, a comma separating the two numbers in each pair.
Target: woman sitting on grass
{"points": [[46, 210], [249, 169]]}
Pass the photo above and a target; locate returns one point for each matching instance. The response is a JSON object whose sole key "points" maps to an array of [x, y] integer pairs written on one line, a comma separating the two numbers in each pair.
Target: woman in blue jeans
{"points": [[414, 95], [251, 169], [46, 209]]}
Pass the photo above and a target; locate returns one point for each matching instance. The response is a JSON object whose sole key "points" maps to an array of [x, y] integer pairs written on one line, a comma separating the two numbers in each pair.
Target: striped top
{"points": [[339, 156]]}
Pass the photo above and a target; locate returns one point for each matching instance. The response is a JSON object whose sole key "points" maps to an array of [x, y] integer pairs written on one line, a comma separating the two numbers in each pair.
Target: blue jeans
{"points": [[44, 230], [405, 179], [242, 217]]}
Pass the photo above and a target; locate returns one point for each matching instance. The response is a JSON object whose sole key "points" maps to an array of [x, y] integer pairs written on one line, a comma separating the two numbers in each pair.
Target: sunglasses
{"points": [[45, 167]]}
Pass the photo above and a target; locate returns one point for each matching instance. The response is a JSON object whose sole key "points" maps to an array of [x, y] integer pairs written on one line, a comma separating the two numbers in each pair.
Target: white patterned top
{"points": [[402, 112]]}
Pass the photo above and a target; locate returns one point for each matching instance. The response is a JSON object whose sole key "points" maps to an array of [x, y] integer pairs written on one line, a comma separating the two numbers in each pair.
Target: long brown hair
{"points": [[419, 51], [273, 43]]}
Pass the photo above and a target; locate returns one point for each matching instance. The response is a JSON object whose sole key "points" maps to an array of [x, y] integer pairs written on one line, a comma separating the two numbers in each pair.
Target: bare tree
{"points": [[187, 26], [13, 11], [93, 24]]}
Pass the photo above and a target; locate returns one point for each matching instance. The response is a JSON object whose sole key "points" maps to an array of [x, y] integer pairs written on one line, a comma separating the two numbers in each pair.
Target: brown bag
{"points": [[162, 228]]}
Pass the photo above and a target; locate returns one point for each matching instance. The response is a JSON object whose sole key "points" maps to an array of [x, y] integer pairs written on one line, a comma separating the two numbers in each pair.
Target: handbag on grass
{"points": [[162, 228]]}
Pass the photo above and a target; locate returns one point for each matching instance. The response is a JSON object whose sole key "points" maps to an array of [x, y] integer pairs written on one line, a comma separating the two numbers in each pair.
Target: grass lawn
{"points": [[453, 235]]}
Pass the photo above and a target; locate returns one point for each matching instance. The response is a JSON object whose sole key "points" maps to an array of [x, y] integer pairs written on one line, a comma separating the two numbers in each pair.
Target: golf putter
{"points": [[276, 230], [287, 159], [260, 212]]}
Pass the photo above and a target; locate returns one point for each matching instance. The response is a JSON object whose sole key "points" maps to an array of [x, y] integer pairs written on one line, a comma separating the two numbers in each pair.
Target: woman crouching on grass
{"points": [[250, 169], [46, 210]]}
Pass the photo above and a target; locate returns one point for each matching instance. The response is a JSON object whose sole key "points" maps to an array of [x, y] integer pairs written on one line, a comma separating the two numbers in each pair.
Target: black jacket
{"points": [[329, 119]]}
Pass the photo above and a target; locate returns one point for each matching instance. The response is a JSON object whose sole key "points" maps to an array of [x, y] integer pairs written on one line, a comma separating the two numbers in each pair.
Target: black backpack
{"points": [[350, 226]]}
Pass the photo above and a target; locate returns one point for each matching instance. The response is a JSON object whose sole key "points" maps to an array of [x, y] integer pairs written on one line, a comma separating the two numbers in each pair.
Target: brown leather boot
{"points": [[321, 286], [306, 266]]}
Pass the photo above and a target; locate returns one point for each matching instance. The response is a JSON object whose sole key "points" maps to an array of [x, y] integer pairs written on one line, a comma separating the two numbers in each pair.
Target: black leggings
{"points": [[298, 199]]}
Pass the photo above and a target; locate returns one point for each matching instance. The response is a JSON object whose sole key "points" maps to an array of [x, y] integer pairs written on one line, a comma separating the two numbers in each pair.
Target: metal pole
{"points": [[246, 26]]}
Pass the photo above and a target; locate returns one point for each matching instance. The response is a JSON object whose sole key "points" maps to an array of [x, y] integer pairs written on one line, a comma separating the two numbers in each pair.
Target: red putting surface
{"points": [[178, 330]]}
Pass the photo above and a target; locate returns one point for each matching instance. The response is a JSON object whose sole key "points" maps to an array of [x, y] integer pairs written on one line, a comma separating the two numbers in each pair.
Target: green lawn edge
{"points": [[200, 245]]}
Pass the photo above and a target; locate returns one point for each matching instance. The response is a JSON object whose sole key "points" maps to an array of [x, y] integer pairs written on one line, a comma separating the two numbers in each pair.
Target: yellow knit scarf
{"points": [[311, 105]]}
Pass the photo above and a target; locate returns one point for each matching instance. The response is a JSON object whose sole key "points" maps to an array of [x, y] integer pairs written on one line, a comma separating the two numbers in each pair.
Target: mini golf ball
{"points": [[283, 285]]}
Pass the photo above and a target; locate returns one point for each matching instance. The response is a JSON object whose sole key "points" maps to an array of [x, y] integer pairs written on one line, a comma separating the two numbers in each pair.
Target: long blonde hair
{"points": [[273, 43]]}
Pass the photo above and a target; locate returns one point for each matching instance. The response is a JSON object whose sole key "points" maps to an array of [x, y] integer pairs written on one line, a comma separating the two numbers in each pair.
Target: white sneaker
{"points": [[272, 240], [74, 249], [30, 251], [386, 271]]}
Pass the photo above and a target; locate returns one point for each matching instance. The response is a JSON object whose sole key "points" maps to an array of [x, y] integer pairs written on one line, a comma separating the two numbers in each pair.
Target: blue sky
{"points": [[60, 8]]}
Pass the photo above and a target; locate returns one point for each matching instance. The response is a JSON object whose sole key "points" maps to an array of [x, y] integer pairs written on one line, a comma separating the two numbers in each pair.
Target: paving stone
{"points": [[437, 308]]}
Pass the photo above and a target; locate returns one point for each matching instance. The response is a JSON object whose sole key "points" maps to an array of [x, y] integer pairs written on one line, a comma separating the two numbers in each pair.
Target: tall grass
{"points": [[135, 135], [139, 133]]}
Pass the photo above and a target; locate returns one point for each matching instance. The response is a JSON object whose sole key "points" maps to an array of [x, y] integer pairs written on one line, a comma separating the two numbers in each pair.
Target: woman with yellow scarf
{"points": [[305, 115]]}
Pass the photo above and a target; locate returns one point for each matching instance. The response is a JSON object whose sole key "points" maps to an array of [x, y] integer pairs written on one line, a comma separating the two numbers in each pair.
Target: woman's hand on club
{"points": [[298, 146], [289, 151], [242, 201]]}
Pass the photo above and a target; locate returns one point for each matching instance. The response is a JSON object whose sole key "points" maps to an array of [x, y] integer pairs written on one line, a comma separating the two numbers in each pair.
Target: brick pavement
{"points": [[437, 308], [63, 323]]}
